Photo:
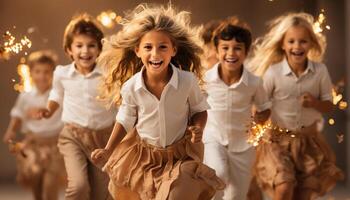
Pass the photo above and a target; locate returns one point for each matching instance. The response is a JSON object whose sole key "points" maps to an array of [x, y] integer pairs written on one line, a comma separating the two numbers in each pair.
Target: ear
{"points": [[175, 51], [69, 51], [136, 50]]}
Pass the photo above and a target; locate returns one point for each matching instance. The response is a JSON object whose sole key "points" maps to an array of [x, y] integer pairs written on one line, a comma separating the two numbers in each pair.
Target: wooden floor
{"points": [[14, 192]]}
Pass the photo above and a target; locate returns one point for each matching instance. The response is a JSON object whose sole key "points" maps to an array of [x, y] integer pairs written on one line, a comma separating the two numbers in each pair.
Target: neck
{"points": [[158, 78], [85, 70], [230, 77], [297, 68], [42, 90]]}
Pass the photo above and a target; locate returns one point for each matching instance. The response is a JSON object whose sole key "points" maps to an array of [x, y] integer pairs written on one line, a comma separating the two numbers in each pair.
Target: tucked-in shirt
{"points": [[35, 99], [229, 116], [78, 94], [285, 89], [162, 121]]}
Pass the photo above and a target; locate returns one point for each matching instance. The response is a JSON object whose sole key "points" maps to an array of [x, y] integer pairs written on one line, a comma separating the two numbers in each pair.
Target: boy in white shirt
{"points": [[232, 91], [87, 122], [39, 164]]}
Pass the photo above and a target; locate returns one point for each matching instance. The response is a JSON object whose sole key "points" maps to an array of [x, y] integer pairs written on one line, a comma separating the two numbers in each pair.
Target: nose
{"points": [[85, 49], [154, 52]]}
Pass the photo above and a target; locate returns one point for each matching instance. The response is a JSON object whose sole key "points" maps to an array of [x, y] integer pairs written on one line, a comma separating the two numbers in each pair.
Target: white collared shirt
{"points": [[230, 110], [35, 99], [161, 122], [78, 93], [285, 89]]}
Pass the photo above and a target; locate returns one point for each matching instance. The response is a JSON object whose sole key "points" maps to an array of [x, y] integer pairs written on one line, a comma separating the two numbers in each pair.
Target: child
{"points": [[162, 110], [232, 91], [209, 55], [295, 162], [87, 122], [39, 163]]}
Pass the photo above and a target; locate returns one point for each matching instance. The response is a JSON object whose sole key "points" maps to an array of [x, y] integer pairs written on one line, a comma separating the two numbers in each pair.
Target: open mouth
{"points": [[156, 63], [85, 58], [299, 54], [231, 60]]}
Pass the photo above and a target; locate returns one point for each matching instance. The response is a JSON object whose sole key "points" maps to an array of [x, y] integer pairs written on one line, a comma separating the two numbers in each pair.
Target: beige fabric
{"points": [[156, 173], [302, 157], [40, 166], [85, 180]]}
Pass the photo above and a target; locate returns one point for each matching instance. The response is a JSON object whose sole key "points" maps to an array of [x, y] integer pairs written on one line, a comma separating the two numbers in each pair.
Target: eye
{"points": [[92, 45], [237, 48], [79, 45], [224, 48], [147, 47], [303, 41], [163, 47]]}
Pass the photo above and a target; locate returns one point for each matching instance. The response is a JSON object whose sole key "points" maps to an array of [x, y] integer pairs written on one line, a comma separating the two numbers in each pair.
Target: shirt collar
{"points": [[174, 80], [73, 71], [287, 70], [213, 75]]}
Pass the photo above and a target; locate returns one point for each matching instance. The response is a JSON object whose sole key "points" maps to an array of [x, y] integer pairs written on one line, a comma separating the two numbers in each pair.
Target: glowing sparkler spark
{"points": [[319, 24], [258, 131], [331, 121], [343, 105], [108, 18], [340, 138], [23, 71], [11, 46]]}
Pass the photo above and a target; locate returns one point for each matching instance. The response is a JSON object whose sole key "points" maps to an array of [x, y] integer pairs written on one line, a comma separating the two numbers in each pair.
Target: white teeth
{"points": [[231, 60], [156, 62], [297, 53]]}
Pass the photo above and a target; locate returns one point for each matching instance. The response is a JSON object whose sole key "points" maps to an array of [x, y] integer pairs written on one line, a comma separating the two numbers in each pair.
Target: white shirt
{"points": [[230, 110], [284, 88], [161, 122], [78, 93], [35, 99]]}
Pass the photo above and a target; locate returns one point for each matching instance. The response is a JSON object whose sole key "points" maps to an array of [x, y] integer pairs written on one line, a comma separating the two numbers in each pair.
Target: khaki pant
{"points": [[40, 166], [85, 180]]}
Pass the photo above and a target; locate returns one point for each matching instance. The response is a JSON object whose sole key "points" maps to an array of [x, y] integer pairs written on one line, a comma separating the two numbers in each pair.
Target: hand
{"points": [[100, 156], [34, 113], [262, 117], [9, 136], [197, 133], [44, 113], [308, 101]]}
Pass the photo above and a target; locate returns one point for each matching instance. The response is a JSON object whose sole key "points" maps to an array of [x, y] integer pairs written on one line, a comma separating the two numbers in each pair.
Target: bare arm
{"points": [[13, 127], [309, 101], [262, 117], [198, 122], [51, 108], [116, 137]]}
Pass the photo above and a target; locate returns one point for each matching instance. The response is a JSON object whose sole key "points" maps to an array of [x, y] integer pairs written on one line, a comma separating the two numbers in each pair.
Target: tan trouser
{"points": [[85, 180]]}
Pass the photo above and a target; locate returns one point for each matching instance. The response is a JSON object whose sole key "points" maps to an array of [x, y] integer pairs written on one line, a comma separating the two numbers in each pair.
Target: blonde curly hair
{"points": [[267, 50], [118, 57]]}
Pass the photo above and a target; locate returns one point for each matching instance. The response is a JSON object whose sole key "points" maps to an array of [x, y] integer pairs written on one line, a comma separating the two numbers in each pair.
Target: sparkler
{"points": [[319, 25], [108, 19], [23, 71], [10, 45]]}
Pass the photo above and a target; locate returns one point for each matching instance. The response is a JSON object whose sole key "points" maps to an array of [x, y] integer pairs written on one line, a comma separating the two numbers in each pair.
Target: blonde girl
{"points": [[153, 61]]}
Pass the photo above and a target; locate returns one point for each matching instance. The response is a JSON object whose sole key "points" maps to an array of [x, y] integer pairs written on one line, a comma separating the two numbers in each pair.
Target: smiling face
{"points": [[41, 74], [155, 51], [231, 55], [84, 50], [296, 45]]}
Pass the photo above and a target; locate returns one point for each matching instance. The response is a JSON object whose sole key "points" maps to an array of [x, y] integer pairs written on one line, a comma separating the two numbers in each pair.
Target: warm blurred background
{"points": [[43, 23]]}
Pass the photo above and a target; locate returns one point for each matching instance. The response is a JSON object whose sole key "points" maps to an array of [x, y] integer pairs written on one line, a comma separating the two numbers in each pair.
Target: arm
{"points": [[197, 125], [262, 117], [52, 106], [308, 101], [13, 127]]}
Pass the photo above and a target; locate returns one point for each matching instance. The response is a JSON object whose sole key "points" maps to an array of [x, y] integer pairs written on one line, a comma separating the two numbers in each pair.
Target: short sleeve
{"points": [[18, 109], [57, 91], [268, 83], [127, 113], [261, 100], [197, 99], [325, 85]]}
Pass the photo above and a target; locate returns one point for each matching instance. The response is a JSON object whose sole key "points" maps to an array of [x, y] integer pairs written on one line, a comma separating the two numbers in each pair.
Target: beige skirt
{"points": [[37, 156], [159, 173], [302, 157]]}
